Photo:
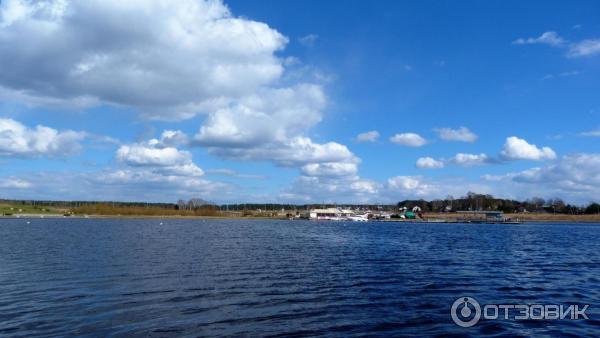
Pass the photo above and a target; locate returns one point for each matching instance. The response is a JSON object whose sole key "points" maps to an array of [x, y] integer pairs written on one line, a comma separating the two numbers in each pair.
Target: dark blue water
{"points": [[73, 277]]}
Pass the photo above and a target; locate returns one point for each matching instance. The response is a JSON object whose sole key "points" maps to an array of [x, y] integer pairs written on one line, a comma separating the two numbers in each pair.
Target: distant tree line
{"points": [[75, 204], [471, 201], [483, 202], [301, 207], [108, 209]]}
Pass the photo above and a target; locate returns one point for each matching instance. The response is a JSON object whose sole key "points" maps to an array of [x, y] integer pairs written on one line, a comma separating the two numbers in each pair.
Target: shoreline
{"points": [[428, 218]]}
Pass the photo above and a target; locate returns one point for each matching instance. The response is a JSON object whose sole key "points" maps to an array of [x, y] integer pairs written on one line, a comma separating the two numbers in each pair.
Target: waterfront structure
{"points": [[483, 216], [335, 214], [329, 214]]}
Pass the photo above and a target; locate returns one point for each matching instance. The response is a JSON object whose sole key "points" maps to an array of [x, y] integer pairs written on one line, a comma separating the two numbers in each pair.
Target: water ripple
{"points": [[188, 278]]}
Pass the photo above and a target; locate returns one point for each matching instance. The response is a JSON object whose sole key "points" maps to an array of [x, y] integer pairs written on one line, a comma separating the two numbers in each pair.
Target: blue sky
{"points": [[265, 100]]}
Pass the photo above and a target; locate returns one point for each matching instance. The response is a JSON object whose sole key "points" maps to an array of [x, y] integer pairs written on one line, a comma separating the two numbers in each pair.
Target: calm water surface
{"points": [[140, 278]]}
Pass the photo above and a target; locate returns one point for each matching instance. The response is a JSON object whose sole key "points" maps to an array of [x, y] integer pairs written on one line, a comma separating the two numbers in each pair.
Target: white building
{"points": [[329, 214]]}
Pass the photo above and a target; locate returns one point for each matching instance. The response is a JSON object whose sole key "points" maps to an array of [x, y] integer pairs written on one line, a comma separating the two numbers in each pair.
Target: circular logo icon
{"points": [[465, 312]]}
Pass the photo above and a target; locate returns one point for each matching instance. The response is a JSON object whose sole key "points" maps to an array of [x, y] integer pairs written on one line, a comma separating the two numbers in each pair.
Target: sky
{"points": [[299, 101]]}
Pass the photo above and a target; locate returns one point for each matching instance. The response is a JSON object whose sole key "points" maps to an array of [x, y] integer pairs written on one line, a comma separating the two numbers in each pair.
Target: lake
{"points": [[174, 278]]}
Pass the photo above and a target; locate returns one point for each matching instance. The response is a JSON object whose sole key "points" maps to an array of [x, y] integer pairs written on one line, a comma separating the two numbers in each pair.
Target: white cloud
{"points": [[309, 40], [269, 126], [169, 61], [408, 139], [574, 176], [17, 140], [591, 133], [233, 173], [518, 149], [173, 138], [332, 169], [155, 185], [126, 184], [369, 136], [404, 182], [165, 59], [462, 134], [361, 186], [584, 48], [429, 163], [420, 187], [462, 159], [350, 189], [168, 161], [493, 178], [547, 38], [410, 186], [581, 48], [146, 155], [151, 169], [143, 176], [469, 160], [294, 152], [14, 183], [270, 115]]}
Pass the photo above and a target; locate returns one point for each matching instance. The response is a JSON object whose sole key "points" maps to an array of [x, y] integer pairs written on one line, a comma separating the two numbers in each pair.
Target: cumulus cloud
{"points": [[270, 126], [429, 163], [153, 169], [294, 152], [518, 149], [469, 160], [547, 38], [171, 61], [330, 169], [172, 138], [404, 182], [351, 189], [369, 136], [416, 187], [462, 159], [270, 115], [462, 134], [144, 155], [17, 140], [168, 161], [576, 176], [410, 186], [575, 170], [136, 176], [159, 186], [168, 60], [122, 184], [408, 139]]}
